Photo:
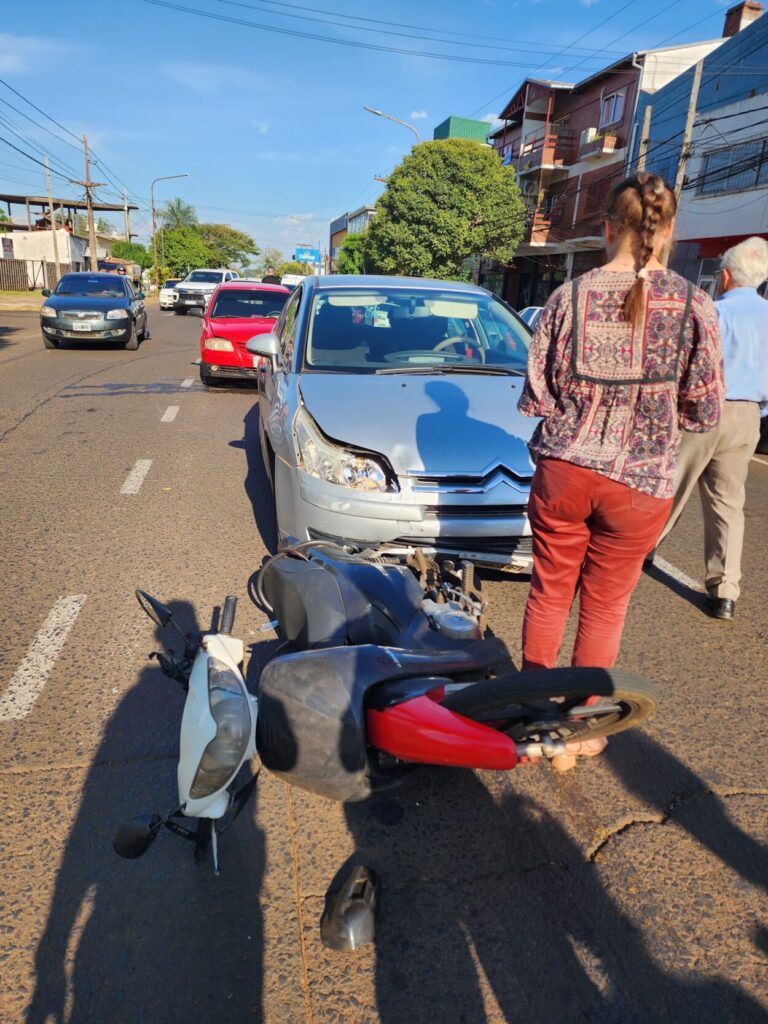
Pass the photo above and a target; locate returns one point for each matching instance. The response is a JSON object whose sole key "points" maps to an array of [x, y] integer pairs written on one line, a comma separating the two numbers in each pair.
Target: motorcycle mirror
{"points": [[159, 614], [349, 918], [135, 837]]}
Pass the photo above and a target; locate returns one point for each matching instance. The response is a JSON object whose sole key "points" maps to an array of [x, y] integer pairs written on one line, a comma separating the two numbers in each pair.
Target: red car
{"points": [[238, 310]]}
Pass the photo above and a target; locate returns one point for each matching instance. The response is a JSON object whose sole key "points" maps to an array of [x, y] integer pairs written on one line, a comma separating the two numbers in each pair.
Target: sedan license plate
{"points": [[191, 302], [81, 327]]}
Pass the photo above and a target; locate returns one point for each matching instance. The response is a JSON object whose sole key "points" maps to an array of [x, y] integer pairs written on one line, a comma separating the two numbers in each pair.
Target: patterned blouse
{"points": [[615, 399]]}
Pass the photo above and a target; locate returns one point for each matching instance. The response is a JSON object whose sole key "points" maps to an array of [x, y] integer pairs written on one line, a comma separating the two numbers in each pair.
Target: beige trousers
{"points": [[718, 461]]}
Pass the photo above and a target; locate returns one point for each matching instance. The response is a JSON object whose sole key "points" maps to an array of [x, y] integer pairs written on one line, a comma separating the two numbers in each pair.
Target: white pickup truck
{"points": [[197, 288]]}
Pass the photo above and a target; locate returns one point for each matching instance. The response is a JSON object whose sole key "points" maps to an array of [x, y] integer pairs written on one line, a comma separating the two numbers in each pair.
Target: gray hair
{"points": [[747, 262]]}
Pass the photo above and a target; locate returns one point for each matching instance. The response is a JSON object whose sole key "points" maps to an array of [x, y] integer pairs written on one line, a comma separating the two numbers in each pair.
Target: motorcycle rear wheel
{"points": [[528, 706]]}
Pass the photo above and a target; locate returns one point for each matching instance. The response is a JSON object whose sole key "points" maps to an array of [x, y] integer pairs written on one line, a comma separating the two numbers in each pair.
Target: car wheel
{"points": [[207, 379], [144, 331], [133, 339], [50, 342]]}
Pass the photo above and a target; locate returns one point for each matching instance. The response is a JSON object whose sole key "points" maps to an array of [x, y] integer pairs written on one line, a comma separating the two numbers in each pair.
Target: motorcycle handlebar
{"points": [[228, 615]]}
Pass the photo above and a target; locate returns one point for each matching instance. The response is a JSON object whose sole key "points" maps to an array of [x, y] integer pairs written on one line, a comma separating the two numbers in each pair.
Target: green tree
{"points": [[133, 251], [178, 214], [270, 257], [447, 201], [229, 246], [353, 255], [80, 226], [103, 226], [294, 267], [185, 250]]}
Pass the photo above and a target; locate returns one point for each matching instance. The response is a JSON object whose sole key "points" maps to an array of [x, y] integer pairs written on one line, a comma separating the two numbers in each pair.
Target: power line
{"points": [[32, 158]]}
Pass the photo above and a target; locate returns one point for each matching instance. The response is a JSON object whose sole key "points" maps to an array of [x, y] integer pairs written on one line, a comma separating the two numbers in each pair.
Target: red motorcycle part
{"points": [[422, 731]]}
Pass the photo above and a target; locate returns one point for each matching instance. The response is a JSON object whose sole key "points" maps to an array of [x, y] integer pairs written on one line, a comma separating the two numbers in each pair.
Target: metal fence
{"points": [[29, 275]]}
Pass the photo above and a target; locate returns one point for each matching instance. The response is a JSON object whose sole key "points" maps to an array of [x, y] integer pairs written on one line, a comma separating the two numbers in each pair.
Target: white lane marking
{"points": [[763, 462], [170, 414], [135, 478], [31, 675], [188, 382], [677, 574]]}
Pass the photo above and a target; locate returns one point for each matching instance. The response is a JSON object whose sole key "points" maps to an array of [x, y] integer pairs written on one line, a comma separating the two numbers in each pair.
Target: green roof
{"points": [[462, 128]]}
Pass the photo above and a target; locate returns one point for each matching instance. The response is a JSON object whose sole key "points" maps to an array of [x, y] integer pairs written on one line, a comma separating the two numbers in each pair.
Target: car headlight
{"points": [[219, 345], [338, 465], [116, 314], [229, 707], [48, 311]]}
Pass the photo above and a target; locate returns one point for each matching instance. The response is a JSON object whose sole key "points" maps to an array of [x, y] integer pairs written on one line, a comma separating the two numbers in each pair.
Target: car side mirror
{"points": [[46, 292], [267, 345], [139, 295]]}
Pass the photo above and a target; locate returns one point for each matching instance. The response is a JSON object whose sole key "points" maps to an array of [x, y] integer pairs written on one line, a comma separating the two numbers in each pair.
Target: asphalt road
{"points": [[629, 890]]}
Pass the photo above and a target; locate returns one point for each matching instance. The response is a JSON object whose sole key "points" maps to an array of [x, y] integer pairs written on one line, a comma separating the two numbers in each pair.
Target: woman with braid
{"points": [[623, 360]]}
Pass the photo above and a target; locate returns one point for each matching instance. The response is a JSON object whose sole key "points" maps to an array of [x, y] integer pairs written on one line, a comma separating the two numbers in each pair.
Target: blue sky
{"points": [[269, 125]]}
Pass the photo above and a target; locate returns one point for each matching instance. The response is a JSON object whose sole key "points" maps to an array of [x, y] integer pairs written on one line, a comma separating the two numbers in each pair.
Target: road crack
{"points": [[661, 817]]}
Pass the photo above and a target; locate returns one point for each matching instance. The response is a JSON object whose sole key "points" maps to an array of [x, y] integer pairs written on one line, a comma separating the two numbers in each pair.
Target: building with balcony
{"points": [[569, 144], [724, 197]]}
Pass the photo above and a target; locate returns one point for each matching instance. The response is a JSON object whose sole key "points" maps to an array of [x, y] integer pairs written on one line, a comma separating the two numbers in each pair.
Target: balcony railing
{"points": [[600, 145], [551, 146]]}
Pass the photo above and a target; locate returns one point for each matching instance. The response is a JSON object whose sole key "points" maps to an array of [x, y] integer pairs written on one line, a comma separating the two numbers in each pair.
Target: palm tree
{"points": [[178, 214]]}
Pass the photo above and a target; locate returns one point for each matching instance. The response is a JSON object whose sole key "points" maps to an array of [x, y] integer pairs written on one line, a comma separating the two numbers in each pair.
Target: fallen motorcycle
{"points": [[389, 666], [392, 667]]}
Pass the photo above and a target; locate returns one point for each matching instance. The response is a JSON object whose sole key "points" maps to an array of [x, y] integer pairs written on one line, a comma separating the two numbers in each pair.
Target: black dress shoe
{"points": [[721, 607]]}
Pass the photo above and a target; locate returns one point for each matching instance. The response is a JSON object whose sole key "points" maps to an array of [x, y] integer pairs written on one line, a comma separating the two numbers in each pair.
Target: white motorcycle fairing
{"points": [[198, 726]]}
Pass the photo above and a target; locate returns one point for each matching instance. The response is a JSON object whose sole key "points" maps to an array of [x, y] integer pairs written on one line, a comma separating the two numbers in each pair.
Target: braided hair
{"points": [[641, 205]]}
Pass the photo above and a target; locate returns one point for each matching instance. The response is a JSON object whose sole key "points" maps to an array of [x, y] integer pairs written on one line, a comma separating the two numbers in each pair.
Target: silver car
{"points": [[388, 418]]}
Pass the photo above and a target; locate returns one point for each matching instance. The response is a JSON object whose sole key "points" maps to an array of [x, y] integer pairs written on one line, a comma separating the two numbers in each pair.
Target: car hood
{"points": [[241, 331], [86, 302], [443, 424], [196, 286]]}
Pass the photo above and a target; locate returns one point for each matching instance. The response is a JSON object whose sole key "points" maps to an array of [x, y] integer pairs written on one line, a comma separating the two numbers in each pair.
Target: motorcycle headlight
{"points": [[219, 345], [338, 465], [48, 311], [229, 707], [116, 314]]}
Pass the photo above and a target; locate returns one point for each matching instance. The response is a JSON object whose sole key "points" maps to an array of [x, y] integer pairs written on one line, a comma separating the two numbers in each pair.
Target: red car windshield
{"points": [[244, 303]]}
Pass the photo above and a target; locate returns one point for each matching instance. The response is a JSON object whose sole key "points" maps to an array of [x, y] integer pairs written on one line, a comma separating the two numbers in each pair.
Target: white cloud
{"points": [[490, 118], [418, 115], [261, 127], [23, 53], [298, 218], [212, 78]]}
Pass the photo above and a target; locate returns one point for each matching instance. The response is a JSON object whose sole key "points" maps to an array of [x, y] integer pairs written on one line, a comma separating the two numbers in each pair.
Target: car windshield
{"points": [[170, 284], [389, 329], [104, 285], [243, 303], [204, 277]]}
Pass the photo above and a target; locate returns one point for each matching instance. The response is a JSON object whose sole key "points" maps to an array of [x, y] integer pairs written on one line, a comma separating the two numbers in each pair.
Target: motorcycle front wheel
{"points": [[571, 704]]}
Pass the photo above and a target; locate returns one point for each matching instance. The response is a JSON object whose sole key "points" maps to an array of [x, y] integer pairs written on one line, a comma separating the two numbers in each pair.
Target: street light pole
{"points": [[389, 117], [164, 177]]}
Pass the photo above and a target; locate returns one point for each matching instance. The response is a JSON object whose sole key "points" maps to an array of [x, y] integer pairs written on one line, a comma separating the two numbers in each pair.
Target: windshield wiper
{"points": [[452, 368]]}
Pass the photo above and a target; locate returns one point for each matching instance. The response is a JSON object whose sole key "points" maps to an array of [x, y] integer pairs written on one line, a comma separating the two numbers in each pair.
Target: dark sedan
{"points": [[94, 307]]}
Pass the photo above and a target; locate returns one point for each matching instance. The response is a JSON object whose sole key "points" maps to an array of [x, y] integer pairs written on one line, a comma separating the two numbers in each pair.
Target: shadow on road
{"points": [[111, 389], [491, 907], [159, 939], [707, 821], [695, 597], [5, 334], [256, 483]]}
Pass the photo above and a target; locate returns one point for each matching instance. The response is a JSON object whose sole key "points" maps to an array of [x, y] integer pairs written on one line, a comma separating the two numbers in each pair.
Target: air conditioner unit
{"points": [[587, 136], [530, 188]]}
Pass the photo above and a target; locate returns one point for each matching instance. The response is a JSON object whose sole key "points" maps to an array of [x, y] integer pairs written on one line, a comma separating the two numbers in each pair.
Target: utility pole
{"points": [[164, 177], [89, 186], [685, 149], [53, 220], [644, 138], [126, 217]]}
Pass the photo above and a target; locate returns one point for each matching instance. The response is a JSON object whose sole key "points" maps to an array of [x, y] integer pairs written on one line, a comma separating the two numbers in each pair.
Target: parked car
{"points": [[531, 315], [94, 307], [292, 280], [238, 311], [166, 293], [389, 418], [195, 291]]}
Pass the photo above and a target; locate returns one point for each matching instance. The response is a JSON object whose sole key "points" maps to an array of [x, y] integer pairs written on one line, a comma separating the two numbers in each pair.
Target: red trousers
{"points": [[593, 534]]}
